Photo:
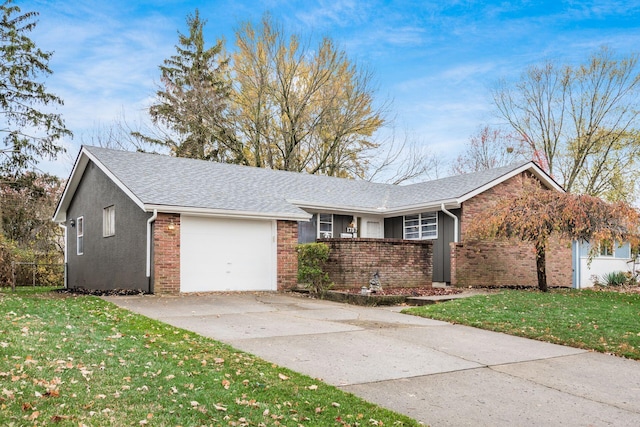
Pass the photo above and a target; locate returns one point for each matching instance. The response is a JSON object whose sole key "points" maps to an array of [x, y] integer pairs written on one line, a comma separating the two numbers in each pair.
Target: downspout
{"points": [[66, 244], [575, 259], [149, 239], [455, 222]]}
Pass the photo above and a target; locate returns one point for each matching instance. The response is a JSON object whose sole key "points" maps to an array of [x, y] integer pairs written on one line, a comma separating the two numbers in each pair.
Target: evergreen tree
{"points": [[192, 104], [28, 133]]}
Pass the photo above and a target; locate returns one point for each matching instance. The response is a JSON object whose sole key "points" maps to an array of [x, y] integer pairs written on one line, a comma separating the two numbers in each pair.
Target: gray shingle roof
{"points": [[158, 180], [453, 187]]}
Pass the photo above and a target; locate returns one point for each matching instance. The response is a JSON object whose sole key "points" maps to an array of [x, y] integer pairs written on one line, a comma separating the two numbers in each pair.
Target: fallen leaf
{"points": [[313, 387], [53, 393], [226, 383], [283, 377]]}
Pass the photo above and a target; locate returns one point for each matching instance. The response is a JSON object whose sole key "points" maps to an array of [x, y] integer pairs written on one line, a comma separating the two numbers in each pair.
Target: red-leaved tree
{"points": [[537, 214]]}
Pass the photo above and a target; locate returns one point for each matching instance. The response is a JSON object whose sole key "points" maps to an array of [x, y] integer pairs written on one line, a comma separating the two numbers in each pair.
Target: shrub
{"points": [[614, 278], [49, 266], [312, 258]]}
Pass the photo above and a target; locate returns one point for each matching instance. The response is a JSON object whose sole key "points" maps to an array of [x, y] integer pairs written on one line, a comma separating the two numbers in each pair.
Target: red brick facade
{"points": [[405, 263], [503, 263], [166, 254], [400, 263], [287, 255]]}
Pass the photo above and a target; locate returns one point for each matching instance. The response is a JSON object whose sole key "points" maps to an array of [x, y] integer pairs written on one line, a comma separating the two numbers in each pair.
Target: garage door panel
{"points": [[227, 254]]}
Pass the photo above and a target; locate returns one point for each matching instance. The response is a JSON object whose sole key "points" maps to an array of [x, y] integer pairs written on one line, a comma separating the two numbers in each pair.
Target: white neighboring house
{"points": [[609, 259]]}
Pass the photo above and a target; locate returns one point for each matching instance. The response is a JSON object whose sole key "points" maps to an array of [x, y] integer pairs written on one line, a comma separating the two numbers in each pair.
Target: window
{"points": [[80, 235], [325, 226], [606, 248], [109, 221], [421, 226]]}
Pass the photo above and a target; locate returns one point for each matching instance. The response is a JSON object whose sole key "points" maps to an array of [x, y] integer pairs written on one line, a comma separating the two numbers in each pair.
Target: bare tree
{"points": [[580, 121], [124, 134], [489, 148], [398, 160]]}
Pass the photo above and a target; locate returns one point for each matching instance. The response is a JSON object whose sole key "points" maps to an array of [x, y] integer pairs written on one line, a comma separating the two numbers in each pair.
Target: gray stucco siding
{"points": [[114, 262]]}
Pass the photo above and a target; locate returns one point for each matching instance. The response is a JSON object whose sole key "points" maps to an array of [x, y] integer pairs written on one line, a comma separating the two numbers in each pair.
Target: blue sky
{"points": [[435, 60]]}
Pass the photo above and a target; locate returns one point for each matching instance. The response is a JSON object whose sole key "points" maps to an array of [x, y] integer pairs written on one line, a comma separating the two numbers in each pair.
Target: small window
{"points": [[80, 235], [421, 226], [325, 226], [109, 221], [606, 248]]}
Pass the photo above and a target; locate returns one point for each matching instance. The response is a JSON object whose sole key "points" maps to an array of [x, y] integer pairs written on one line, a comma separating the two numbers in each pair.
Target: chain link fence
{"points": [[37, 274]]}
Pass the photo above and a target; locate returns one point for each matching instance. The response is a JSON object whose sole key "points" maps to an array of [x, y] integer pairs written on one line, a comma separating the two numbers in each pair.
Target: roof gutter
{"points": [[150, 221], [225, 213], [386, 212], [455, 222]]}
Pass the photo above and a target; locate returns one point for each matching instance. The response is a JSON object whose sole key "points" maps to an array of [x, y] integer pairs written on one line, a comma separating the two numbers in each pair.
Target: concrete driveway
{"points": [[435, 372]]}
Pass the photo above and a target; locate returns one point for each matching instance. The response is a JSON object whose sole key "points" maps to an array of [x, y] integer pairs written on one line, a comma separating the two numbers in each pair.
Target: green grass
{"points": [[79, 360], [608, 322]]}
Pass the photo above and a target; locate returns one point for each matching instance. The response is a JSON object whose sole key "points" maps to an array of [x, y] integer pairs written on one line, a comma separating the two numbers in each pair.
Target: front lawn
{"points": [[79, 360], [604, 321]]}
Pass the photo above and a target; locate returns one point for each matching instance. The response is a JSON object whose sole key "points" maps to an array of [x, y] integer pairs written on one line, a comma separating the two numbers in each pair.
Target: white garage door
{"points": [[219, 254]]}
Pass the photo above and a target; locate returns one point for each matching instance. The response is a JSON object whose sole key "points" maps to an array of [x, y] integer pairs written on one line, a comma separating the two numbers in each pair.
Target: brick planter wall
{"points": [[287, 255], [166, 254], [504, 263], [400, 263]]}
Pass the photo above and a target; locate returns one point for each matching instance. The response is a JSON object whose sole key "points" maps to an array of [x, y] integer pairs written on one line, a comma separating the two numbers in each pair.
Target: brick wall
{"points": [[503, 263], [166, 254], [287, 255], [400, 263], [483, 203]]}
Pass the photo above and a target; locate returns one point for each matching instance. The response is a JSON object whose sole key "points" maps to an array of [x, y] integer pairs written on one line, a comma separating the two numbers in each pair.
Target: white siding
{"points": [[219, 254], [587, 273]]}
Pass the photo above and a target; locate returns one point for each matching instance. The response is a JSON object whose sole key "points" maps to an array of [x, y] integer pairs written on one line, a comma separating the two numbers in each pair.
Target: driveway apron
{"points": [[435, 372]]}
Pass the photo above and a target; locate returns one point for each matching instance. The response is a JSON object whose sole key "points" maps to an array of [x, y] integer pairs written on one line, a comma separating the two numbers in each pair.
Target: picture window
{"points": [[421, 226]]}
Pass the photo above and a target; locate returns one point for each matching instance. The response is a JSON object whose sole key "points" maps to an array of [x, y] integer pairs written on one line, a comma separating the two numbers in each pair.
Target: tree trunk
{"points": [[541, 267]]}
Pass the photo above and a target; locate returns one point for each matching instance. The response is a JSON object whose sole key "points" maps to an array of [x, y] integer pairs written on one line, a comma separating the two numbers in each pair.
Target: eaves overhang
{"points": [[380, 211], [83, 159], [226, 213], [532, 167]]}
